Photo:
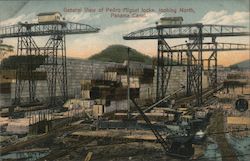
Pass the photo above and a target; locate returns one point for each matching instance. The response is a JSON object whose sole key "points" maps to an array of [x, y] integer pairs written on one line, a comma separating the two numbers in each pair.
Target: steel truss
{"points": [[187, 31], [45, 29], [26, 46], [165, 62], [211, 48], [164, 69], [195, 68], [189, 54], [54, 51], [212, 65], [56, 68]]}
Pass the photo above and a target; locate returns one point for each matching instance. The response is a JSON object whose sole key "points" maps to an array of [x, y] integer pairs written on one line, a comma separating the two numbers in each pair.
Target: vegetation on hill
{"points": [[119, 53]]}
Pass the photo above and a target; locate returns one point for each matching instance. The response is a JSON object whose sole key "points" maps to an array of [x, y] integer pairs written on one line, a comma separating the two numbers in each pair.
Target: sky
{"points": [[111, 17]]}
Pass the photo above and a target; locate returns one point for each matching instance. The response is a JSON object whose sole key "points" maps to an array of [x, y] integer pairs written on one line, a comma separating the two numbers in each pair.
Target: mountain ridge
{"points": [[118, 53], [245, 64]]}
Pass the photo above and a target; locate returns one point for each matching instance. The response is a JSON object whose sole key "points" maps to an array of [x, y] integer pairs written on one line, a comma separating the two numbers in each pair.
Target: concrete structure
{"points": [[77, 69], [178, 78], [80, 69]]}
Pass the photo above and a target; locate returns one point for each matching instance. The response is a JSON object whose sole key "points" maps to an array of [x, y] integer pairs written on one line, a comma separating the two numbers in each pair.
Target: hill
{"points": [[242, 65], [118, 53]]}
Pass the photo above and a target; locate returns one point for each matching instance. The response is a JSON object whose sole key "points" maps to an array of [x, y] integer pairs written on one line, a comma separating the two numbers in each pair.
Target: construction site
{"points": [[182, 106]]}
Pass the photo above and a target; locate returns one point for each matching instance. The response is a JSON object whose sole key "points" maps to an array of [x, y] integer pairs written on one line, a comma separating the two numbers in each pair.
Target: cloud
{"points": [[32, 18], [94, 43], [133, 24], [224, 18], [79, 16], [21, 18]]}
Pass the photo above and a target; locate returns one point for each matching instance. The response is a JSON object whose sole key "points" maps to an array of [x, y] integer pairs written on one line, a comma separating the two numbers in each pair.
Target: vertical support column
{"points": [[33, 63], [195, 67], [18, 86], [167, 68], [200, 67], [164, 66], [189, 76], [56, 68], [212, 70], [62, 69], [158, 65], [128, 89], [216, 68], [28, 53], [163, 74], [50, 68]]}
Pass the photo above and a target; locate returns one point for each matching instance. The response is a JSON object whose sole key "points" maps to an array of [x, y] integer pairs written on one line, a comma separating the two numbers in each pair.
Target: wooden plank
{"points": [[125, 134], [88, 157], [238, 120]]}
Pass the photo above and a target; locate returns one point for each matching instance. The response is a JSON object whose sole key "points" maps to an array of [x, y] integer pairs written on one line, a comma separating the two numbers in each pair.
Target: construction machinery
{"points": [[177, 146], [190, 54], [53, 53]]}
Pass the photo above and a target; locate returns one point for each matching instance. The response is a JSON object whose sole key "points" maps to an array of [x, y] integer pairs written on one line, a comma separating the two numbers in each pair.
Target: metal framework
{"points": [[45, 29], [211, 48], [56, 46], [187, 31], [166, 143], [147, 109], [26, 46], [189, 54], [54, 52]]}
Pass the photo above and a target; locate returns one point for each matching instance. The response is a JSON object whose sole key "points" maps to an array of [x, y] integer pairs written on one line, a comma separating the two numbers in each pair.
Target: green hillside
{"points": [[118, 53]]}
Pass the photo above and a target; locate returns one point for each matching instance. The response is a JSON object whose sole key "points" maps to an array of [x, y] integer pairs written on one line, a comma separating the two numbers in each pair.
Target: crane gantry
{"points": [[53, 53], [168, 56]]}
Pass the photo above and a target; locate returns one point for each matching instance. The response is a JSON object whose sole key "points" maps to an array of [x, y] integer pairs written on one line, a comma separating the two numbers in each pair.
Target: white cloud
{"points": [[77, 17], [21, 18], [133, 24], [113, 35], [73, 17], [223, 17]]}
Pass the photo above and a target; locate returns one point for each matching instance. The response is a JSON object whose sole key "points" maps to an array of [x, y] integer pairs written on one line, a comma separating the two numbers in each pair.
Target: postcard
{"points": [[124, 80]]}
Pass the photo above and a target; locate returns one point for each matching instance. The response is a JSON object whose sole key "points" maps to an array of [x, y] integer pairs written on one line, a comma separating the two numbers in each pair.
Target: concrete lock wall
{"points": [[177, 79], [80, 69], [116, 106], [77, 69]]}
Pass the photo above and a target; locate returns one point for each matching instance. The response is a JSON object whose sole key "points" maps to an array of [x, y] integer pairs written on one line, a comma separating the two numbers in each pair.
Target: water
{"points": [[241, 147], [212, 152], [25, 156]]}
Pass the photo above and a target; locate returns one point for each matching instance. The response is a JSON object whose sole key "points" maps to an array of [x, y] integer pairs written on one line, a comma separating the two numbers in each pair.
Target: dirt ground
{"points": [[67, 147]]}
